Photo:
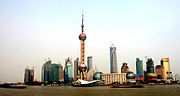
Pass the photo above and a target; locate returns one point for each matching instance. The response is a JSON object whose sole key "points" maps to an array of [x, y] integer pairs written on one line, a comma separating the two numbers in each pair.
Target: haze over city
{"points": [[32, 31]]}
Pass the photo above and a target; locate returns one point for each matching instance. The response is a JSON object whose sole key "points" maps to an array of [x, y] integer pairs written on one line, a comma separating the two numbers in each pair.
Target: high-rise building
{"points": [[113, 60], [159, 70], [150, 65], [89, 63], [76, 64], [61, 73], [139, 66], [165, 63], [150, 76], [54, 72], [90, 70], [82, 66], [124, 68], [68, 72], [29, 75], [45, 77]]}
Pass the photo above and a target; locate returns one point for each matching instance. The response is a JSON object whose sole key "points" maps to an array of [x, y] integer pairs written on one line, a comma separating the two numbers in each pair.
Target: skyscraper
{"points": [[113, 60], [165, 63], [61, 73], [124, 68], [76, 64], [139, 66], [89, 63], [82, 67], [45, 77], [150, 65], [90, 70], [29, 75], [68, 72], [54, 73]]}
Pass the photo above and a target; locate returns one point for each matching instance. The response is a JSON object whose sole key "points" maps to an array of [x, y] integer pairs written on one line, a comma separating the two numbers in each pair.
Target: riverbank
{"points": [[155, 90]]}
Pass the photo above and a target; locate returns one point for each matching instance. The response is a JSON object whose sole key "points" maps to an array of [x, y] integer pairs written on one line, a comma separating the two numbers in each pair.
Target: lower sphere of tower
{"points": [[82, 67]]}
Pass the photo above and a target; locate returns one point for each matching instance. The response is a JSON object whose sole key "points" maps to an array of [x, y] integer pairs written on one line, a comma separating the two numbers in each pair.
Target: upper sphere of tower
{"points": [[82, 36]]}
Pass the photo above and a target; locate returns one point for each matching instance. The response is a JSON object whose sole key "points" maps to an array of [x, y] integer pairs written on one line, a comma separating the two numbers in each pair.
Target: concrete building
{"points": [[61, 73], [68, 72], [113, 60], [76, 71], [139, 66], [29, 75], [54, 73], [159, 70], [124, 68], [110, 78]]}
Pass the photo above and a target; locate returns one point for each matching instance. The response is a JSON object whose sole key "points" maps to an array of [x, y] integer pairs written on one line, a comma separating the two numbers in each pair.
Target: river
{"points": [[153, 90]]}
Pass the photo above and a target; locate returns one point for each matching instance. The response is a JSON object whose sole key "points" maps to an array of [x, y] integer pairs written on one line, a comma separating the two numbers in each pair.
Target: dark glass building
{"points": [[46, 71], [150, 66], [54, 73], [68, 73], [139, 66]]}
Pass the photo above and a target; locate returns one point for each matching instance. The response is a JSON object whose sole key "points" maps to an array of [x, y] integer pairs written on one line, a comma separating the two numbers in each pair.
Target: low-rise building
{"points": [[110, 78]]}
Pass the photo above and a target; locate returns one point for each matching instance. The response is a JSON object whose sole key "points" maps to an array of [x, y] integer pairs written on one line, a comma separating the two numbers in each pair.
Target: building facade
{"points": [[29, 75], [113, 60], [54, 73], [61, 73], [159, 70], [76, 65], [139, 66], [150, 65], [124, 68], [89, 63], [165, 63], [68, 72], [45, 77], [110, 78]]}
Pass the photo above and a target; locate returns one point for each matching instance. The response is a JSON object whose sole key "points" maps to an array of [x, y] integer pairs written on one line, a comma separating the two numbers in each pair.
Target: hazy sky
{"points": [[33, 30]]}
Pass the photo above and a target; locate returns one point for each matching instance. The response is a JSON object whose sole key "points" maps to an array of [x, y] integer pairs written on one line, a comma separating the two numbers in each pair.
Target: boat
{"points": [[127, 86], [6, 85], [83, 83]]}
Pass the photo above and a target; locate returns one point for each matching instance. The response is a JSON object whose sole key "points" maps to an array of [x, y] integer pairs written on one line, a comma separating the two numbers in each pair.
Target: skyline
{"points": [[31, 31]]}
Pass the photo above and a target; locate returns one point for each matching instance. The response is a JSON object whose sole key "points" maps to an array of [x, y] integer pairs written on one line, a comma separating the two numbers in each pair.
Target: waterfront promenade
{"points": [[153, 90]]}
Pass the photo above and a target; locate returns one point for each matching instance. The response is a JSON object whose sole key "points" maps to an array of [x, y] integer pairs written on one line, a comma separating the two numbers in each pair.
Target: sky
{"points": [[34, 30]]}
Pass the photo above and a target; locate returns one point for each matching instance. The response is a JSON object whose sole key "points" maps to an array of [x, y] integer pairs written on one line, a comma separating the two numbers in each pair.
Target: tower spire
{"points": [[82, 25]]}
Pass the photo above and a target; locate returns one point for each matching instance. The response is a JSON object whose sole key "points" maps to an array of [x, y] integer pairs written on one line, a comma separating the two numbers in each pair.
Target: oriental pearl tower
{"points": [[82, 67]]}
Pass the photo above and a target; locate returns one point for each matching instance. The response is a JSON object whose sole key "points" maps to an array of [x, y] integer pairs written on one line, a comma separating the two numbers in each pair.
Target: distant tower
{"points": [[68, 73], [61, 73], [165, 63], [82, 67], [113, 60], [89, 63], [29, 75], [124, 68], [90, 70], [150, 66], [54, 73], [46, 71], [139, 66], [76, 64]]}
